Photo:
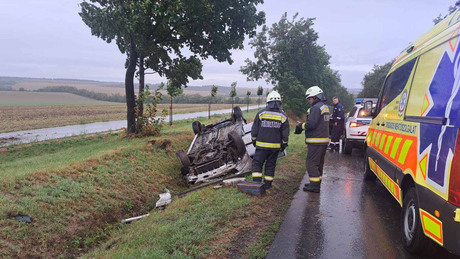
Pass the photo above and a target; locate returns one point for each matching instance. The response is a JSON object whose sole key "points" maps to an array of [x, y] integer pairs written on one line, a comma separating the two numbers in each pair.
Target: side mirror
{"points": [[368, 108]]}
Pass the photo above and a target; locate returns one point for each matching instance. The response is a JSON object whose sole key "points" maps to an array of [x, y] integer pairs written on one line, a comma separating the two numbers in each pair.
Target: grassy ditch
{"points": [[76, 206]]}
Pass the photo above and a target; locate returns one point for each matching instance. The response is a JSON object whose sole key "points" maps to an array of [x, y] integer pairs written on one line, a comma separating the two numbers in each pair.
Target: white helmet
{"points": [[315, 91], [273, 96]]}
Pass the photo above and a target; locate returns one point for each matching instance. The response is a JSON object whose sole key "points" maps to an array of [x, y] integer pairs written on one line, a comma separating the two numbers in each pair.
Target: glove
{"points": [[283, 146], [298, 129], [254, 143]]}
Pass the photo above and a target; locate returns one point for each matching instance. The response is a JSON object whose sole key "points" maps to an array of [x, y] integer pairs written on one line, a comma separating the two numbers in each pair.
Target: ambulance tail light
{"points": [[454, 183]]}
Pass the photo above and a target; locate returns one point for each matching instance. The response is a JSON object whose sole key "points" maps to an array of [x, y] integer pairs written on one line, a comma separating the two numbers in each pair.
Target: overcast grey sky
{"points": [[47, 38]]}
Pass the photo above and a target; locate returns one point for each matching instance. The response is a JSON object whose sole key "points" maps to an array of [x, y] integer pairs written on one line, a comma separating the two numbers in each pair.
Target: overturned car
{"points": [[218, 149]]}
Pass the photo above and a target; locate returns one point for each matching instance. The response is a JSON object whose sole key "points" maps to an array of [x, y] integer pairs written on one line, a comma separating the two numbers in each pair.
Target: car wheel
{"points": [[368, 174], [197, 127], [238, 143], [184, 160], [347, 146], [237, 113], [414, 240]]}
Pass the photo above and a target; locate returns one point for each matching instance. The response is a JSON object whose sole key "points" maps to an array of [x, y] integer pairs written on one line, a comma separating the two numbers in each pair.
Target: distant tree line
{"points": [[183, 98], [198, 99], [85, 93]]}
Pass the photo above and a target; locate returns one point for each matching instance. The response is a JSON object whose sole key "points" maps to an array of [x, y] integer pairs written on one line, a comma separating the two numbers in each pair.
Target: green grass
{"points": [[78, 189], [295, 159], [49, 156], [185, 230]]}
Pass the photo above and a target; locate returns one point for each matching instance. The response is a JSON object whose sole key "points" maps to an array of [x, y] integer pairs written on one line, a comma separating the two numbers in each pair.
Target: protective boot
{"points": [[313, 187], [267, 185]]}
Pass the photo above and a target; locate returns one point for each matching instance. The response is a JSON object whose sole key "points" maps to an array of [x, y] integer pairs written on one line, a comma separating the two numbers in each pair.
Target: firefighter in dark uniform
{"points": [[270, 133], [316, 136], [338, 117]]}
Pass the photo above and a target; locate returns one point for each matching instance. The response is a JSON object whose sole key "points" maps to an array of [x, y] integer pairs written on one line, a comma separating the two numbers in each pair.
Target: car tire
{"points": [[347, 146], [237, 113], [414, 240], [197, 127], [368, 174], [184, 160], [238, 143]]}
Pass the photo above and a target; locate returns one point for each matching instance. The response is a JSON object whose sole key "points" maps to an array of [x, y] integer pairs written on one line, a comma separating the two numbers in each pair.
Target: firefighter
{"points": [[337, 128], [270, 133], [316, 136]]}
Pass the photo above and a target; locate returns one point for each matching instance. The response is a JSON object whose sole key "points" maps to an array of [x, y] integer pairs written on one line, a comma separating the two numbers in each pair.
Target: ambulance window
{"points": [[396, 82]]}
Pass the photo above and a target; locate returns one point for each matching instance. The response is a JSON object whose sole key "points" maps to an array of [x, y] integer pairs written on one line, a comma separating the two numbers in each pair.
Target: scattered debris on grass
{"points": [[252, 188], [23, 218], [129, 220], [233, 181], [165, 199]]}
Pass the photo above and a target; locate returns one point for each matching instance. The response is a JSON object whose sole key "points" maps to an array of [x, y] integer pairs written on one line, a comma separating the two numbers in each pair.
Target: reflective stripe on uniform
{"points": [[269, 178], [303, 125], [324, 109], [254, 138], [317, 140], [315, 179], [268, 145], [256, 174], [272, 116]]}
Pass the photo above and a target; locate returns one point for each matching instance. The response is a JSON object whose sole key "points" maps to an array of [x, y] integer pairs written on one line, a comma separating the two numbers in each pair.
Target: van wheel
{"points": [[347, 146], [414, 240], [368, 174]]}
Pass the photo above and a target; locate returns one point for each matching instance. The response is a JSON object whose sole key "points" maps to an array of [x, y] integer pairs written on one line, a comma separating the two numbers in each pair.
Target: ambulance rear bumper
{"points": [[430, 202]]}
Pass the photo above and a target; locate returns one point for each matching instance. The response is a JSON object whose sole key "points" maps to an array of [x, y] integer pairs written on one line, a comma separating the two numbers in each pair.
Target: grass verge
{"points": [[77, 207]]}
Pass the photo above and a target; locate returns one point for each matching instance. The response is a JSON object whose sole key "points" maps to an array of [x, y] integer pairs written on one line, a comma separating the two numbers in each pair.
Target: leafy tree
{"points": [[247, 100], [173, 91], [288, 56], [156, 34], [233, 92], [260, 92], [450, 10], [373, 81], [213, 97]]}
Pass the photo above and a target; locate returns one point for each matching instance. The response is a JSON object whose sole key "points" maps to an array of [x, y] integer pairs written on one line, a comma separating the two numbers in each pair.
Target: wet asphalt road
{"points": [[351, 218]]}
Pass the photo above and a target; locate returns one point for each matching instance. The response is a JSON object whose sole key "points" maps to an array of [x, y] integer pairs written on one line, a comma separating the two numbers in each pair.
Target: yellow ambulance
{"points": [[413, 143]]}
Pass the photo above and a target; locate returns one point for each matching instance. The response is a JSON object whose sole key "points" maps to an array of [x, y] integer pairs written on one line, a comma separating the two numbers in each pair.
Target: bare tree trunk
{"points": [[129, 88], [209, 110], [141, 85], [247, 107], [171, 113]]}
